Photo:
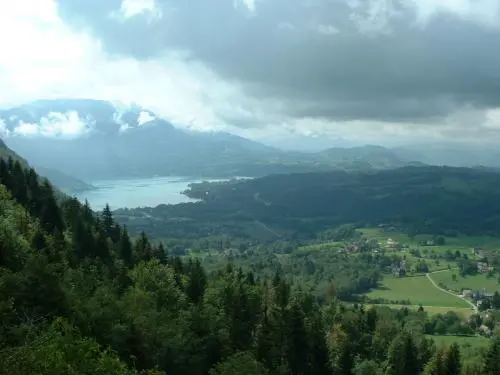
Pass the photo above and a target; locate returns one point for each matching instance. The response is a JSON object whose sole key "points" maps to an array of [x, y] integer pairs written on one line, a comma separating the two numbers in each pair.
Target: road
{"points": [[474, 307]]}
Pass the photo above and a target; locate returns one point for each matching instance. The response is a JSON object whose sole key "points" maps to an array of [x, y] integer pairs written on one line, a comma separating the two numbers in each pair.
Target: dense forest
{"points": [[434, 200], [78, 296]]}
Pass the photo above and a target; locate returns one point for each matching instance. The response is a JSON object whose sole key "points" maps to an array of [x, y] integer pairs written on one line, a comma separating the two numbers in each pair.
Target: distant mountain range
{"points": [[62, 181], [94, 140]]}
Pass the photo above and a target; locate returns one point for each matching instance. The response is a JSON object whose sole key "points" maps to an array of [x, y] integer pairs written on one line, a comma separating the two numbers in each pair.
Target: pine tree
{"points": [[267, 350], [296, 341], [34, 203], [102, 247], [143, 249], [452, 360], [160, 253], [39, 242], [19, 187], [318, 349], [107, 220], [196, 282], [4, 174], [344, 361], [50, 215], [436, 365], [402, 357], [83, 241], [125, 248], [492, 359]]}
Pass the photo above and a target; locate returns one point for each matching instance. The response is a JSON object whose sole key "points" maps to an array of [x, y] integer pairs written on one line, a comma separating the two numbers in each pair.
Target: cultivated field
{"points": [[418, 289], [475, 282], [463, 341]]}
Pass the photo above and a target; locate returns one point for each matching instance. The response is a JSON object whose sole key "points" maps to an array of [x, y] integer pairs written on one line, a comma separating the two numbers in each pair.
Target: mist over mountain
{"points": [[93, 139]]}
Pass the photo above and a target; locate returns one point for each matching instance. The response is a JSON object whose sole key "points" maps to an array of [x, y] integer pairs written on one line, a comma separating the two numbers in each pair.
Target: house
{"points": [[485, 330], [481, 294], [484, 267], [479, 251], [352, 249], [391, 243], [466, 293]]}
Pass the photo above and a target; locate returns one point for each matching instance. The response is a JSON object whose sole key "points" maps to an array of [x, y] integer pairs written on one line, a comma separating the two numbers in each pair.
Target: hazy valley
{"points": [[249, 187]]}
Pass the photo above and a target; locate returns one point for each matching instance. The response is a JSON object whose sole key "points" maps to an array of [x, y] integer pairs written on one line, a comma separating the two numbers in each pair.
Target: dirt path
{"points": [[474, 307]]}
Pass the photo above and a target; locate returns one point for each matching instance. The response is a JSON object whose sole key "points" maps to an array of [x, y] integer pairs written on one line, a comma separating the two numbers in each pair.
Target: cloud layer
{"points": [[368, 70]]}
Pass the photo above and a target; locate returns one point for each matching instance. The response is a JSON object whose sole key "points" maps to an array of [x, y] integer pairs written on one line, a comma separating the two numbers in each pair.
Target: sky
{"points": [[297, 71]]}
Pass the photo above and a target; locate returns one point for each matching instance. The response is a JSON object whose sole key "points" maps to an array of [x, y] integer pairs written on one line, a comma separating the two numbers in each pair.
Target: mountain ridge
{"points": [[125, 142]]}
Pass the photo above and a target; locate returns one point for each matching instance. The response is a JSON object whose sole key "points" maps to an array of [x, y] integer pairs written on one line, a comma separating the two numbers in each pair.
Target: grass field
{"points": [[479, 282], [462, 341], [418, 289], [322, 246], [464, 312], [452, 243]]}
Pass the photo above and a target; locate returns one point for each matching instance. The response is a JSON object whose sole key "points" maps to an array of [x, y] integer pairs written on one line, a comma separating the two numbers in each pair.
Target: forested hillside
{"points": [[433, 200], [77, 296]]}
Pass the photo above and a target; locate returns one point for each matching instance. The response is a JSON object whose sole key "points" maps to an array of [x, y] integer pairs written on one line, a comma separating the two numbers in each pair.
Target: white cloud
{"points": [[249, 5], [144, 118], [26, 129], [484, 12], [3, 128], [42, 58], [48, 60], [62, 125], [132, 8], [327, 29]]}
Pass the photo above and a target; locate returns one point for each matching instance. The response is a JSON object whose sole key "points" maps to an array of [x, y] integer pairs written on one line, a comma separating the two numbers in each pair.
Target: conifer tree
{"points": [[196, 282], [125, 248], [452, 360], [50, 216], [160, 253], [492, 359], [436, 365], [296, 341], [402, 357], [107, 220], [143, 249]]}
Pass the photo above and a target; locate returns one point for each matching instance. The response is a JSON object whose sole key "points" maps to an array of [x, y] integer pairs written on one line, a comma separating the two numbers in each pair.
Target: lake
{"points": [[141, 192]]}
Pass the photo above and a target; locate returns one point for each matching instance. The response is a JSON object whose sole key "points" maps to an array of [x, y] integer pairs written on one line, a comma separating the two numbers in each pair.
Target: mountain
{"points": [[368, 156], [93, 139], [62, 181], [456, 154]]}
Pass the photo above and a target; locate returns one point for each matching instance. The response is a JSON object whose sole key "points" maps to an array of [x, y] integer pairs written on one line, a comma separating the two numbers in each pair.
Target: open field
{"points": [[462, 341], [464, 312], [418, 289], [478, 282], [452, 243], [333, 245]]}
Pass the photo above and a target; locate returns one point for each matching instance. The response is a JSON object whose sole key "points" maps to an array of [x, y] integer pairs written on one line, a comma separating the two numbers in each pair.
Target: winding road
{"points": [[474, 307]]}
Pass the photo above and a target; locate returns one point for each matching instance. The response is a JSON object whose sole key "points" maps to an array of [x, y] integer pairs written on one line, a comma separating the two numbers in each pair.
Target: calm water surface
{"points": [[142, 192]]}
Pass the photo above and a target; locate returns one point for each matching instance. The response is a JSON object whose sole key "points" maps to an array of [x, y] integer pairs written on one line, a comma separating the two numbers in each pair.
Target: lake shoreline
{"points": [[140, 192]]}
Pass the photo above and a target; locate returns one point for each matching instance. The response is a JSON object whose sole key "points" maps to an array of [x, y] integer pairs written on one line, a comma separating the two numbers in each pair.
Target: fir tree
{"points": [[143, 249], [452, 360], [107, 220], [436, 365], [160, 253], [196, 282], [492, 359], [403, 355], [125, 248]]}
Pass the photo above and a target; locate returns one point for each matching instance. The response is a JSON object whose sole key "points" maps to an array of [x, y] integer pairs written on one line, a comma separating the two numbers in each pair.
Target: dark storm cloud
{"points": [[319, 58]]}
